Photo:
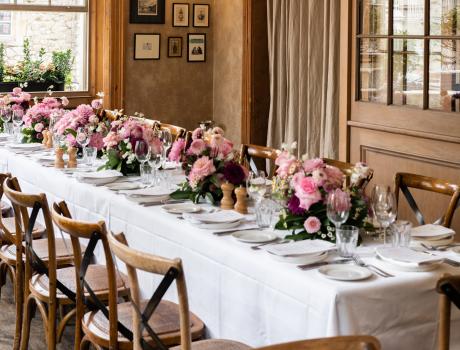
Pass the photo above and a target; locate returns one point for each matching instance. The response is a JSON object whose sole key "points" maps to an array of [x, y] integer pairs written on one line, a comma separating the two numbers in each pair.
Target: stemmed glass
{"points": [[166, 139], [142, 153], [5, 114], [256, 186], [17, 122], [384, 207], [338, 208], [83, 138], [155, 162]]}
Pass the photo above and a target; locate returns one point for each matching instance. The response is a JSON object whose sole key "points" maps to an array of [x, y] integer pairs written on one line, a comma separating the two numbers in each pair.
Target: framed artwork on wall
{"points": [[146, 46], [174, 46], [200, 15], [147, 11], [180, 15], [196, 47]]}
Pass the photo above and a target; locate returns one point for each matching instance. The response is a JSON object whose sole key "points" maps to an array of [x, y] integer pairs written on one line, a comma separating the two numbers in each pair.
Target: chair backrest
{"points": [[177, 132], [21, 203], [336, 343], [136, 260], [84, 230], [404, 181], [347, 170], [250, 153], [150, 122], [449, 289], [111, 115], [6, 235]]}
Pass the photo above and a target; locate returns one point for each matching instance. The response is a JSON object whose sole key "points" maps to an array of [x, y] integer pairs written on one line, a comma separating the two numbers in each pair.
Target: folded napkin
{"points": [[431, 231], [406, 257], [219, 217], [100, 174], [307, 247]]}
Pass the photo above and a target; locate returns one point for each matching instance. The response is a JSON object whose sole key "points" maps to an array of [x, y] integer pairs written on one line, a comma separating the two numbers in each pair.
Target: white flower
{"points": [[294, 145], [131, 158], [323, 236], [100, 94]]}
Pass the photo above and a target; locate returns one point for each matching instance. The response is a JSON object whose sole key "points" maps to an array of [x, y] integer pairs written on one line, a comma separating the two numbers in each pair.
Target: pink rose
{"points": [[176, 150], [201, 168], [17, 91], [334, 178], [312, 224], [319, 176], [39, 127], [306, 190], [96, 104], [312, 164], [39, 136], [196, 147], [286, 163], [197, 134], [96, 140], [339, 200], [220, 146]]}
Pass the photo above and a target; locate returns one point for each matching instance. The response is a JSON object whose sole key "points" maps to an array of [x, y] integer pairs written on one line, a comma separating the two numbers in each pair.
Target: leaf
{"points": [[71, 132]]}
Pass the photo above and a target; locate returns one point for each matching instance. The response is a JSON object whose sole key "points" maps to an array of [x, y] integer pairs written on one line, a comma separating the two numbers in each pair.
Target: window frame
{"points": [[81, 96], [390, 37]]}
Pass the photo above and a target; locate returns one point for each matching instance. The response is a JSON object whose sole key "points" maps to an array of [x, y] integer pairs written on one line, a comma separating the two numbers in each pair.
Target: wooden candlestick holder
{"points": [[227, 201], [241, 205]]}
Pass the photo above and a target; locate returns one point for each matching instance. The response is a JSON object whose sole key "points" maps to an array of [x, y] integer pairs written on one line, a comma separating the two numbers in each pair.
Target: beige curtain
{"points": [[304, 75]]}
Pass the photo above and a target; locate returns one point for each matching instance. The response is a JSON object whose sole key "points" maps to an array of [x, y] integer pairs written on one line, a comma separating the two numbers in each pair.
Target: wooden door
{"points": [[400, 91]]}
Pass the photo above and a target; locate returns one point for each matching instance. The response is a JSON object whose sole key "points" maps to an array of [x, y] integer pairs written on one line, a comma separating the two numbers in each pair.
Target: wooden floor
{"points": [[37, 336]]}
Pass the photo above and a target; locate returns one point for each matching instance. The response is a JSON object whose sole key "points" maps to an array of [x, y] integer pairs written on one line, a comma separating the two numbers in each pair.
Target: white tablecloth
{"points": [[243, 294]]}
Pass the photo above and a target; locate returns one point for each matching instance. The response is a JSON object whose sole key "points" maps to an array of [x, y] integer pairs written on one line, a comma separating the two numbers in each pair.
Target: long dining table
{"points": [[243, 294]]}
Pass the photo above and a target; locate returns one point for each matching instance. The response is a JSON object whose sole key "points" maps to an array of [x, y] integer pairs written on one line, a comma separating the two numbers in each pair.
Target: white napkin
{"points": [[306, 247], [100, 174], [219, 217], [431, 231], [147, 192], [406, 257]]}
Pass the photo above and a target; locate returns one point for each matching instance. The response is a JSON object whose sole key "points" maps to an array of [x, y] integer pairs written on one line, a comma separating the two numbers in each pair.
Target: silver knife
{"points": [[323, 263]]}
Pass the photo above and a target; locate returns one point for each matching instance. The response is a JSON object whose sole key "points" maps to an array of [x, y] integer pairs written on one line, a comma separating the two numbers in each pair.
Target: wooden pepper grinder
{"points": [[227, 201], [72, 163], [241, 205], [45, 138], [59, 161], [49, 143]]}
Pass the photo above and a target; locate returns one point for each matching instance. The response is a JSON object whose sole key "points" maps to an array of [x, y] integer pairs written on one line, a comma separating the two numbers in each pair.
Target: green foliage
{"points": [[2, 61], [115, 162]]}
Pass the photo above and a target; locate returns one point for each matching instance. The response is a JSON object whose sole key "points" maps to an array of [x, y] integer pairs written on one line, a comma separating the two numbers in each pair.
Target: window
{"points": [[409, 53], [56, 36]]}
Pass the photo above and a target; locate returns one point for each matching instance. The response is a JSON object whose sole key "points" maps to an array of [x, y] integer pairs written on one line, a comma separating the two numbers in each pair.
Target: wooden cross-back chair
{"points": [[37, 264], [177, 132], [336, 343], [90, 280], [449, 289], [102, 331], [347, 170], [250, 154], [171, 270], [404, 181]]}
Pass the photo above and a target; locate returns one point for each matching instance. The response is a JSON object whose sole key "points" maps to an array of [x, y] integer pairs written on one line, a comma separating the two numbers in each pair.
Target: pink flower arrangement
{"points": [[203, 167], [312, 224], [177, 149], [17, 100]]}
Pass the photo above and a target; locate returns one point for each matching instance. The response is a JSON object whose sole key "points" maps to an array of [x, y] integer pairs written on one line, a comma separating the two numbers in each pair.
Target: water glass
{"points": [[264, 213], [146, 173], [347, 240], [90, 155], [401, 233]]}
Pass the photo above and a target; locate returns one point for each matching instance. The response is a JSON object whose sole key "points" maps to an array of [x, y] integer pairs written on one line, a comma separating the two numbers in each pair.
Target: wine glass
{"points": [[5, 115], [256, 186], [338, 208], [17, 122], [166, 139], [155, 162], [384, 207], [142, 153], [83, 138]]}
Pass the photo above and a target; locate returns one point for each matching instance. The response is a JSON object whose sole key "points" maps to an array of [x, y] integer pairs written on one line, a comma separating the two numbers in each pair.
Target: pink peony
{"points": [[85, 110], [220, 146], [306, 190], [39, 127], [176, 150], [339, 200], [201, 168], [197, 134], [312, 164], [196, 147], [96, 104], [319, 176], [312, 224], [97, 140], [334, 178], [17, 90], [286, 163]]}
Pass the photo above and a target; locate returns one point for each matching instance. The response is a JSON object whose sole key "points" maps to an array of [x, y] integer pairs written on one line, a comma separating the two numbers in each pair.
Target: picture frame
{"points": [[180, 14], [147, 46], [147, 11], [175, 46], [201, 15], [196, 47]]}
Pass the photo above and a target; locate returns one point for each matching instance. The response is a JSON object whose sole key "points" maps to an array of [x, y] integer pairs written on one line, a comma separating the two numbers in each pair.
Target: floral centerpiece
{"points": [[304, 186], [120, 143], [38, 117], [208, 162], [17, 100], [87, 118]]}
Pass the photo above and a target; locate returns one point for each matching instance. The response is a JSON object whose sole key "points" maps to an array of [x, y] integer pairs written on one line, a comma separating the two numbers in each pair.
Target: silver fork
{"points": [[373, 268], [257, 247], [439, 248]]}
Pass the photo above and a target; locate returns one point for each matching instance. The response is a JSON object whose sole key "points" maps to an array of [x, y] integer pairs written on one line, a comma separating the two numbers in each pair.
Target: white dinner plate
{"points": [[219, 226], [25, 146], [254, 236], [300, 259], [123, 186], [344, 272], [181, 208]]}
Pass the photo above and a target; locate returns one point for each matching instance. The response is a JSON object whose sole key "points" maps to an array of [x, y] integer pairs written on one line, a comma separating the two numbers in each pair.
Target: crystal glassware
{"points": [[83, 138], [17, 123], [401, 233], [384, 207], [155, 161], [142, 153], [347, 240], [338, 208], [256, 186], [90, 156], [264, 213]]}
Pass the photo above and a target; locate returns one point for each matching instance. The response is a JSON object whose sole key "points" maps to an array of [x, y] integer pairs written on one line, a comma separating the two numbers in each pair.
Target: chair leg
{"points": [[19, 302], [28, 310], [65, 320], [85, 343], [51, 326], [2, 276]]}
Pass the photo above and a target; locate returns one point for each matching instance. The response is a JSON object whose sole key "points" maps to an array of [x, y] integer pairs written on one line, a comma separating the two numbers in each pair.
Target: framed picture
{"points": [[196, 47], [147, 11], [146, 46], [180, 15], [174, 46], [200, 15]]}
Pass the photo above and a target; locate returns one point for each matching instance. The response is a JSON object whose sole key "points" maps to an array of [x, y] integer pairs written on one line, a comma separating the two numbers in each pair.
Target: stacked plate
{"points": [[301, 252], [220, 220], [3, 137], [181, 208], [146, 196], [432, 235], [98, 178], [25, 147], [406, 259]]}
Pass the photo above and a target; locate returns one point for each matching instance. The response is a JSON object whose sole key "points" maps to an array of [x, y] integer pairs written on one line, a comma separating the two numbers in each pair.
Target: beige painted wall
{"points": [[182, 93], [228, 55], [170, 89]]}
